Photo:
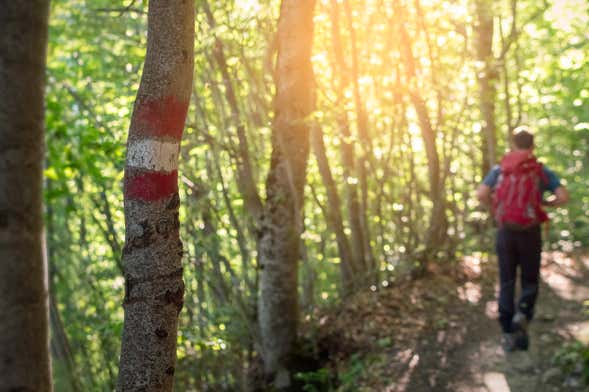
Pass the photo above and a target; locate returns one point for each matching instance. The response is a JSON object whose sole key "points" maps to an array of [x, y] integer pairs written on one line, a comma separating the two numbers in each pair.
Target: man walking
{"points": [[516, 189]]}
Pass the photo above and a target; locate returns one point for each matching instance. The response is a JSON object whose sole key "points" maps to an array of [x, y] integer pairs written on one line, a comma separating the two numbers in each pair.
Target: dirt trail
{"points": [[559, 319], [441, 334]]}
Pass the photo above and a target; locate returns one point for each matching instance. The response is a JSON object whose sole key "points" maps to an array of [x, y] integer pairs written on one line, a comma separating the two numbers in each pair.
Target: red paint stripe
{"points": [[163, 117], [151, 186]]}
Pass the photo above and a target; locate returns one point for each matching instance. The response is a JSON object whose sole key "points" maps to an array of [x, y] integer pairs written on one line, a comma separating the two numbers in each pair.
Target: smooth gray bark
{"points": [[24, 345]]}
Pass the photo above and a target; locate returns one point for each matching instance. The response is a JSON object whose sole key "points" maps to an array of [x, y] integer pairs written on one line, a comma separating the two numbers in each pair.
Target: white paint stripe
{"points": [[153, 155]]}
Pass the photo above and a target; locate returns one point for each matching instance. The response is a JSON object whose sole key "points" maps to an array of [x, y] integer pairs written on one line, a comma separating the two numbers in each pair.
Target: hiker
{"points": [[515, 188]]}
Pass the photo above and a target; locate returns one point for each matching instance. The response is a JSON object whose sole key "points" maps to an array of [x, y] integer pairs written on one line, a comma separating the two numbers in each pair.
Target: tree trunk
{"points": [[152, 255], [365, 158], [350, 168], [282, 218], [60, 344], [246, 180], [436, 233], [24, 345], [486, 76], [334, 217]]}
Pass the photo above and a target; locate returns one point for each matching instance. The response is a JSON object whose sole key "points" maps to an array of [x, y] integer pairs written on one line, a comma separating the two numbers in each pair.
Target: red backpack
{"points": [[517, 200]]}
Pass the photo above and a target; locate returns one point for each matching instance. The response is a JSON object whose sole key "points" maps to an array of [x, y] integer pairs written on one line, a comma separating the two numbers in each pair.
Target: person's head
{"points": [[523, 139]]}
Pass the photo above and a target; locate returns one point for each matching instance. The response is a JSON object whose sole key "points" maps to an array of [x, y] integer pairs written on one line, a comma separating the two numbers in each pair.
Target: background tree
{"points": [[24, 346], [487, 76], [154, 289], [283, 211]]}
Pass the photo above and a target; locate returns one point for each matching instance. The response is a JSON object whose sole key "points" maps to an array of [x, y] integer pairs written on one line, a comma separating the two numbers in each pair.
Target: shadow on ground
{"points": [[440, 333]]}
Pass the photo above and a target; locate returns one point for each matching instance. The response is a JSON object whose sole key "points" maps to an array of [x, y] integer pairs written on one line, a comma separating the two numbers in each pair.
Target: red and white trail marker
{"points": [[153, 151]]}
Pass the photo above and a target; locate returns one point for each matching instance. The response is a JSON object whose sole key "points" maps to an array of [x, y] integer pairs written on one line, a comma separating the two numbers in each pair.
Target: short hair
{"points": [[523, 138]]}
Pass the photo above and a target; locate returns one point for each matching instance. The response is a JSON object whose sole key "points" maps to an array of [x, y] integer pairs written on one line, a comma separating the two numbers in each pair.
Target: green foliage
{"points": [[316, 381], [94, 65], [574, 357], [92, 76], [349, 377]]}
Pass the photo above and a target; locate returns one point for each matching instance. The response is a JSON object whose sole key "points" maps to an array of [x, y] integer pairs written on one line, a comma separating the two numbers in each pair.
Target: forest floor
{"points": [[440, 333]]}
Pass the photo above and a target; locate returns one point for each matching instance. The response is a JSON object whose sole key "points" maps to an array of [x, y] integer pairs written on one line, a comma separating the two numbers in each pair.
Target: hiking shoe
{"points": [[520, 328], [508, 342]]}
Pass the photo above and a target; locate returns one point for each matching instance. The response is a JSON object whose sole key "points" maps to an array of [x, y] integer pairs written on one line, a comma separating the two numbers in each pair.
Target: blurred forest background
{"points": [[416, 100]]}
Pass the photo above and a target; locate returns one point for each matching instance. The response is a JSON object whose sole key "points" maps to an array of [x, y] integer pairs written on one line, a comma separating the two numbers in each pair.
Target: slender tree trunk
{"points": [[202, 314], [350, 169], [309, 278], [282, 221], [246, 179], [436, 233], [24, 344], [219, 287], [486, 77], [334, 217], [506, 43], [152, 255], [60, 344], [365, 158]]}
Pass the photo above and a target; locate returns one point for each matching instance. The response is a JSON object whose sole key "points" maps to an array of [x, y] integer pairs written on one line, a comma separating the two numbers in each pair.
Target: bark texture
{"points": [[152, 254], [282, 217], [24, 345]]}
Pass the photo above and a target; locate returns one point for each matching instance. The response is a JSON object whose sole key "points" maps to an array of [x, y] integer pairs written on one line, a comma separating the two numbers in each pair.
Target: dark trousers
{"points": [[523, 248]]}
